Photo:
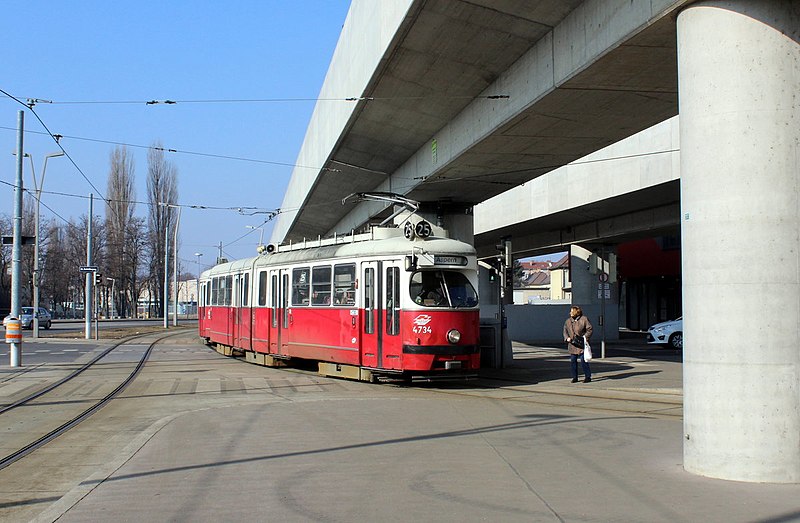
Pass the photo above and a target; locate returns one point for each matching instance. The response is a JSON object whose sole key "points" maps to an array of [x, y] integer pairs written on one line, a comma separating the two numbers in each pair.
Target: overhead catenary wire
{"points": [[479, 178], [237, 208], [179, 151], [55, 139], [282, 210], [269, 100]]}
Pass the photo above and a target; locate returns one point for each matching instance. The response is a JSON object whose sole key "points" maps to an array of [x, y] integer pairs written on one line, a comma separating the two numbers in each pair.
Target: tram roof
{"points": [[391, 243]]}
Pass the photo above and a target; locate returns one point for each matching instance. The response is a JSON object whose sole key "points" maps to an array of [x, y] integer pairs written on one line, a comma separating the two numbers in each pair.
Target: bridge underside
{"points": [[428, 127]]}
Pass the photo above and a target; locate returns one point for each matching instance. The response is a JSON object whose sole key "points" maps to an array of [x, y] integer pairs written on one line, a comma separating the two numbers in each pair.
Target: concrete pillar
{"points": [[595, 297], [739, 84]]}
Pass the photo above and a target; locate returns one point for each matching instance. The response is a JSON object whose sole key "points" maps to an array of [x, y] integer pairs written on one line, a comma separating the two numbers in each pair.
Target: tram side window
{"points": [[246, 290], [300, 286], [228, 291], [262, 288], [275, 305], [284, 299], [369, 297], [215, 291], [321, 285], [344, 284], [392, 300]]}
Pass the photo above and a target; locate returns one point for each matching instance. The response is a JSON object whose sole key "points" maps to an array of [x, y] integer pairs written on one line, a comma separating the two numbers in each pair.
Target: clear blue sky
{"points": [[101, 51]]}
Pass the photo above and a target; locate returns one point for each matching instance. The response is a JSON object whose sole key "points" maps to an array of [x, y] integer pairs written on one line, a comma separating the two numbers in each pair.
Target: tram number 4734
{"points": [[422, 324]]}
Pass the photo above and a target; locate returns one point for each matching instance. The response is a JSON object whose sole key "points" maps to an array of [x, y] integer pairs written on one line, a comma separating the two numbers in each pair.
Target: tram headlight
{"points": [[453, 336]]}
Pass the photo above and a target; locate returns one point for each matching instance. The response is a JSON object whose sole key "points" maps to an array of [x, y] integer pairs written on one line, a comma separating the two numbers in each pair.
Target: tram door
{"points": [[371, 321], [236, 308], [280, 313], [245, 317], [260, 315], [391, 345]]}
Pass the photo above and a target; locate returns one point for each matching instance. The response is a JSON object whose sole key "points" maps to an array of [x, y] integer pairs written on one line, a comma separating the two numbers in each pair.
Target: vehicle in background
{"points": [[26, 318], [667, 333]]}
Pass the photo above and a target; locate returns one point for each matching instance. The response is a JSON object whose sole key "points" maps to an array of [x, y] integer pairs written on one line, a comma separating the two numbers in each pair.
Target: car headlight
{"points": [[453, 336]]}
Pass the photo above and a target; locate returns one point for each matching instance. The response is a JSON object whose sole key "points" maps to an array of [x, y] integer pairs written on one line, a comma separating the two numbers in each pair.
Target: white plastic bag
{"points": [[587, 350]]}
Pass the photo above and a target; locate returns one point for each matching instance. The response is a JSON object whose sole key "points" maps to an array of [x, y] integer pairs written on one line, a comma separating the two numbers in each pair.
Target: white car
{"points": [[668, 332], [26, 318]]}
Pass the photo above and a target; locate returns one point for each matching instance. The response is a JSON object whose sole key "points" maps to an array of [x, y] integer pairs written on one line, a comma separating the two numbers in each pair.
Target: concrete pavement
{"points": [[201, 437]]}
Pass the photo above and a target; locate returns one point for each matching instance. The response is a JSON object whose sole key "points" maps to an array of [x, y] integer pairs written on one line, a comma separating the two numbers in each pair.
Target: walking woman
{"points": [[576, 329]]}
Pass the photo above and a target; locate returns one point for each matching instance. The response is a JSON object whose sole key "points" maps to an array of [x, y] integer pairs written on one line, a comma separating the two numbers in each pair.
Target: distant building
{"points": [[187, 299], [542, 281]]}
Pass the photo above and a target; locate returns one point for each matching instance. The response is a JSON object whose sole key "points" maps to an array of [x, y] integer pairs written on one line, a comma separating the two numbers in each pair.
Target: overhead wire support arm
{"points": [[405, 203], [390, 197]]}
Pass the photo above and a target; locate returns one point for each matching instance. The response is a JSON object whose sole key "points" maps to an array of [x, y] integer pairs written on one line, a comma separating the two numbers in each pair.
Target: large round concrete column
{"points": [[739, 88]]}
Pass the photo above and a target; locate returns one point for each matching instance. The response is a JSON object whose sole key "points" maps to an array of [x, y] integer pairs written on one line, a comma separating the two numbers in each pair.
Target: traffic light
{"points": [[98, 278], [494, 269]]}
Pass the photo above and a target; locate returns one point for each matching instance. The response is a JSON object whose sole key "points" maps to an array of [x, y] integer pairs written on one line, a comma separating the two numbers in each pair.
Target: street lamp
{"points": [[197, 291], [37, 187]]}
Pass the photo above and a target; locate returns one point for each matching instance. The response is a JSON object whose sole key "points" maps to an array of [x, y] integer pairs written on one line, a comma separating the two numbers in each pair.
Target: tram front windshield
{"points": [[442, 288]]}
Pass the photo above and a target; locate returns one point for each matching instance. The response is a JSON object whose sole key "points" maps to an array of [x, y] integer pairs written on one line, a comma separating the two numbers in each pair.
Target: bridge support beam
{"points": [[739, 79]]}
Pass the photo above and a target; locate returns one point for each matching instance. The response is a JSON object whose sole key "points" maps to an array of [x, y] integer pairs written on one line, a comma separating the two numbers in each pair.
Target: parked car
{"points": [[668, 332], [26, 318]]}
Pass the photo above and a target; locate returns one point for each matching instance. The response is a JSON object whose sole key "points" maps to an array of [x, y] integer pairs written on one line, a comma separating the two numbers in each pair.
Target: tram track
{"points": [[68, 377], [629, 401], [52, 414]]}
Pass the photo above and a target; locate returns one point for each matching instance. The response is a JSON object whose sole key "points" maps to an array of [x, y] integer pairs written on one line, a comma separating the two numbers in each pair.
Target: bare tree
{"points": [[121, 264], [135, 250], [5, 265], [61, 282], [162, 195], [28, 213]]}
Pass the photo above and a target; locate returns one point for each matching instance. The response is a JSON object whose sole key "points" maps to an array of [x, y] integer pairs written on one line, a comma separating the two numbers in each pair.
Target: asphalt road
{"points": [[53, 347]]}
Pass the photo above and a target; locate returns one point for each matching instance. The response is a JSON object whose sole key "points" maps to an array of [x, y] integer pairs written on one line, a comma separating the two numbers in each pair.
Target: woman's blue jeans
{"points": [[573, 362]]}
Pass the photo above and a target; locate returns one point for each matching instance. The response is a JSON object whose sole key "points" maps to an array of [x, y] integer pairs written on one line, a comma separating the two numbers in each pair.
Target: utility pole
{"points": [[15, 352], [175, 269], [197, 291], [87, 303], [166, 269], [37, 273]]}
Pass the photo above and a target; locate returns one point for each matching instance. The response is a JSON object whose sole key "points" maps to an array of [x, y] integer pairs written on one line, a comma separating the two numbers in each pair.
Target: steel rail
{"points": [[53, 434], [65, 379]]}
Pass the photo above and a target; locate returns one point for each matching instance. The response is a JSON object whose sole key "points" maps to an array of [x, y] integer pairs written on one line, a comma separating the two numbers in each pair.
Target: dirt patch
{"points": [[117, 333]]}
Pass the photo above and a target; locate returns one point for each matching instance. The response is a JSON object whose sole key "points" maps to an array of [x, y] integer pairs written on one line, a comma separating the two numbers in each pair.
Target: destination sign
{"points": [[449, 260]]}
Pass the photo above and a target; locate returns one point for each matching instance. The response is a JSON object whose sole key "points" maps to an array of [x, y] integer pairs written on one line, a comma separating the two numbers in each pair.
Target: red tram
{"points": [[363, 306]]}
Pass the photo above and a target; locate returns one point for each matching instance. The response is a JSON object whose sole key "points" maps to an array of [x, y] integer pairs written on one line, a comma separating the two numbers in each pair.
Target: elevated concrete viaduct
{"points": [[625, 191], [454, 102]]}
